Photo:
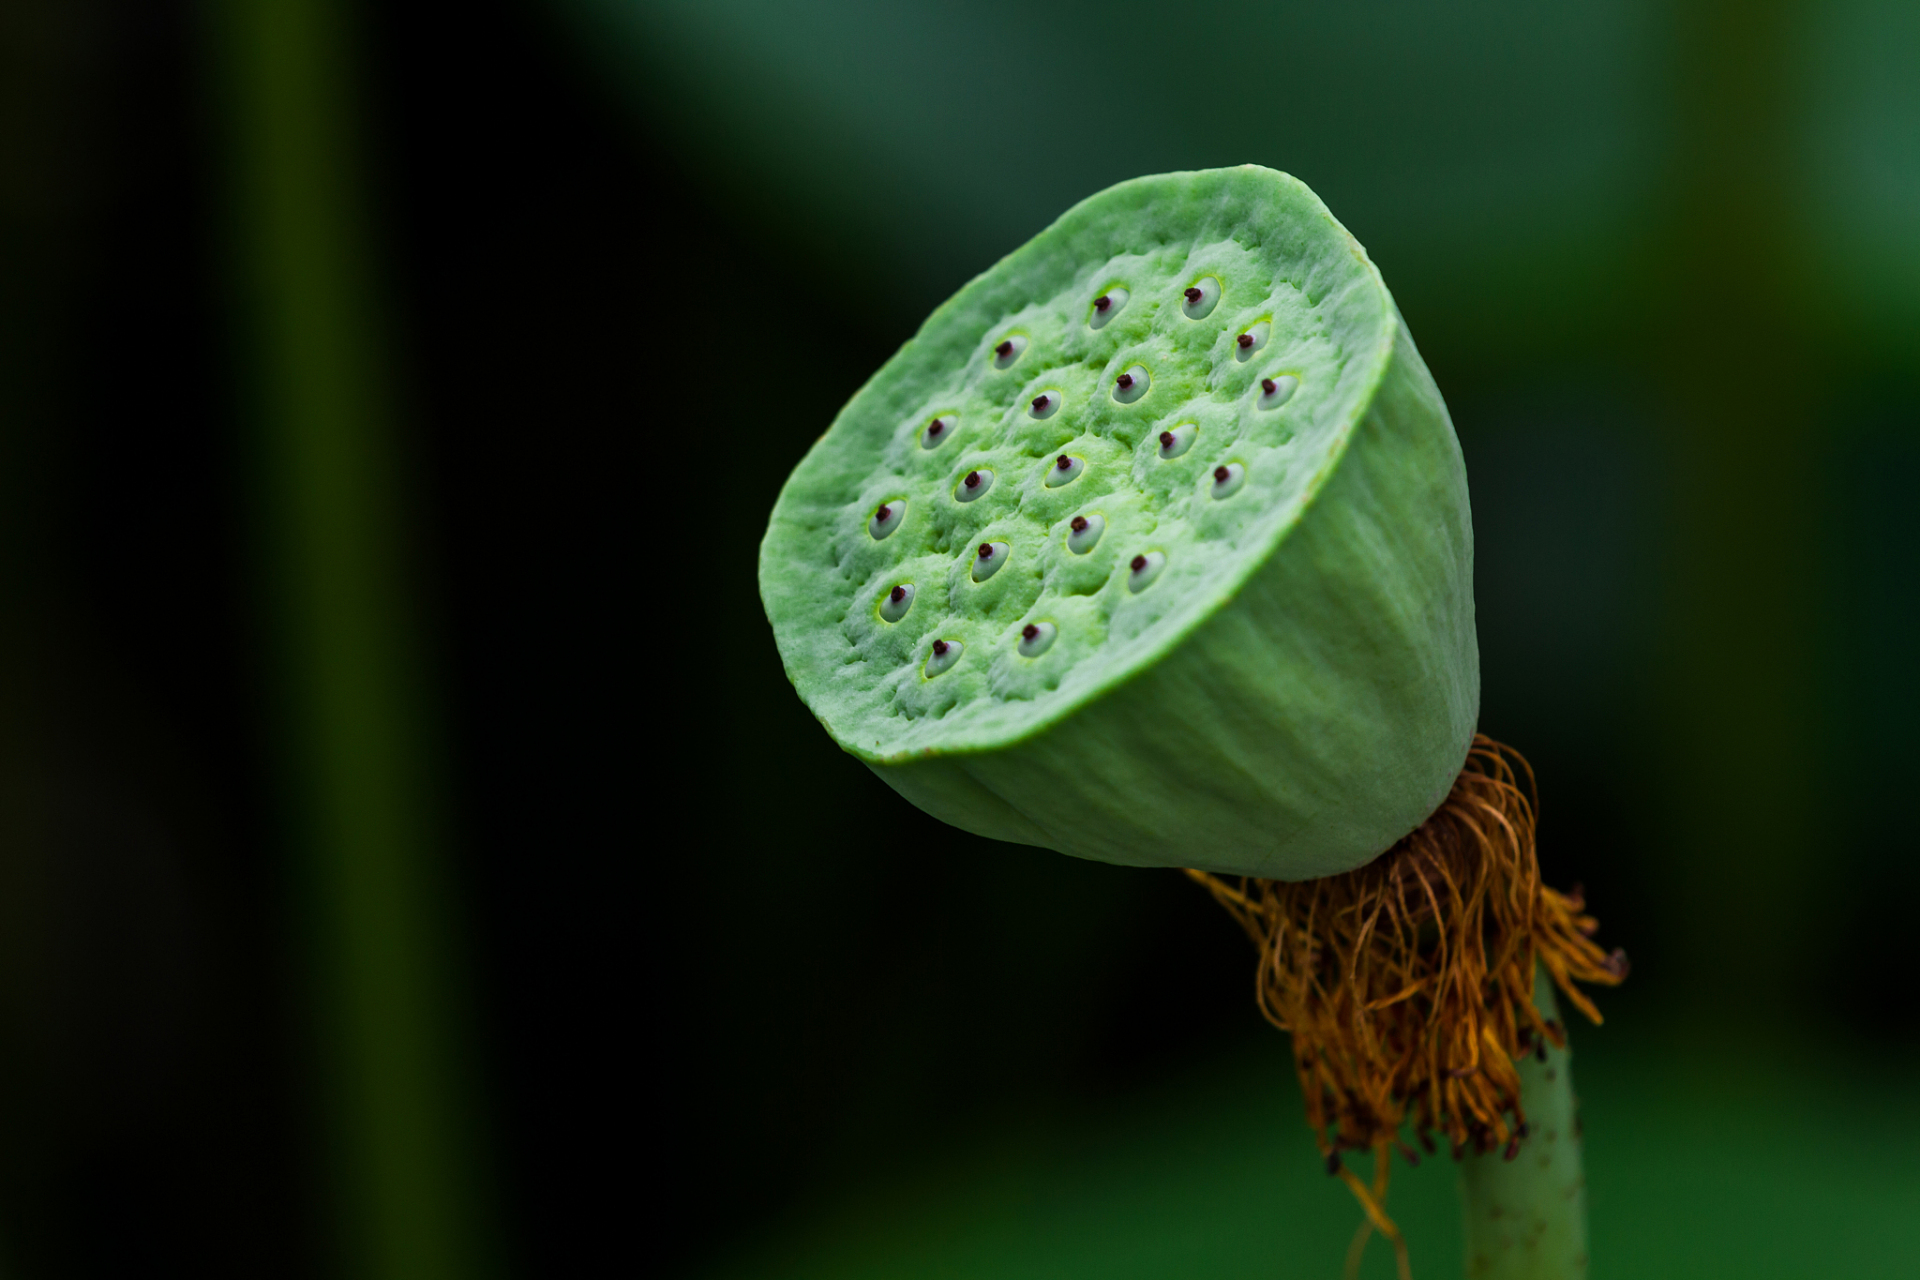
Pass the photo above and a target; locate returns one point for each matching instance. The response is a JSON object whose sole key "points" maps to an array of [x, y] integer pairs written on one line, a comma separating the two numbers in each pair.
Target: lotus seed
{"points": [[1177, 441], [1143, 569], [939, 431], [1044, 405], [1200, 298], [1227, 479], [1008, 351], [1275, 392], [1248, 344], [1083, 534], [1065, 470], [1107, 306], [1036, 638], [887, 518], [1132, 384], [988, 559], [975, 485], [898, 601], [944, 654]]}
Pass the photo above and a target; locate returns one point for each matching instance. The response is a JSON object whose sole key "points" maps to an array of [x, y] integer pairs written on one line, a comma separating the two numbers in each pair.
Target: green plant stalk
{"points": [[1526, 1218], [358, 755]]}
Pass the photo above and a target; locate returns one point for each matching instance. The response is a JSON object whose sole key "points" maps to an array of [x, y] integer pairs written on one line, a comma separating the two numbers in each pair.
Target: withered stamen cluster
{"points": [[1407, 984]]}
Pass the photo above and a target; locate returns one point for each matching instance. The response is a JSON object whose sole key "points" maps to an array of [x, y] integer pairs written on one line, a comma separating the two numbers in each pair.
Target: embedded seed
{"points": [[1132, 384], [1227, 479], [1083, 533], [1107, 306], [898, 601], [887, 518], [1200, 298], [1275, 392], [1144, 569], [1009, 350], [1248, 344], [975, 485], [989, 558], [939, 431], [1045, 404], [945, 653], [1036, 638], [1177, 441], [1065, 470]]}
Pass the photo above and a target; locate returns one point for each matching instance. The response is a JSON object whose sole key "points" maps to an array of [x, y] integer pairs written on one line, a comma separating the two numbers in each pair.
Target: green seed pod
{"points": [[1152, 546]]}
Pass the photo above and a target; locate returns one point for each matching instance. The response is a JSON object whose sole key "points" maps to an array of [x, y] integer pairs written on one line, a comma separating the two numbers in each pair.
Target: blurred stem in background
{"points": [[361, 766], [1743, 370]]}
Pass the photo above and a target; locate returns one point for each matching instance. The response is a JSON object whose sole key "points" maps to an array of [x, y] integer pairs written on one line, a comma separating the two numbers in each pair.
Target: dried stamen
{"points": [[1407, 984]]}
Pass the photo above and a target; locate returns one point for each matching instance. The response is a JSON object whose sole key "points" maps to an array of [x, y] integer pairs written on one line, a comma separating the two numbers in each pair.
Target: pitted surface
{"points": [[1021, 369]]}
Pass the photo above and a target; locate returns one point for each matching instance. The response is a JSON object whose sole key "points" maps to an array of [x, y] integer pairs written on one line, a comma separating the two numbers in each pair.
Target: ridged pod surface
{"points": [[1152, 546]]}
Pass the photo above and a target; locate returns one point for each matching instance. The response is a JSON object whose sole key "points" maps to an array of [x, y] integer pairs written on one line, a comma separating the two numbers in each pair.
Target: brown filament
{"points": [[1407, 984]]}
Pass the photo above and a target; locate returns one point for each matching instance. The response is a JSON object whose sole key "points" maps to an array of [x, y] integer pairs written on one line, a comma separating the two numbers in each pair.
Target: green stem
{"points": [[1527, 1217]]}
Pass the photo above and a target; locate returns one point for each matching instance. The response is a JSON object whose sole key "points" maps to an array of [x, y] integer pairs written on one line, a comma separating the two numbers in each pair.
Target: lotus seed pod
{"points": [[1239, 636]]}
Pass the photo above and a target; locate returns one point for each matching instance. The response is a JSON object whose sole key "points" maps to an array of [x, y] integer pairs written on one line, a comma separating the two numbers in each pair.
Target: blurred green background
{"points": [[413, 862]]}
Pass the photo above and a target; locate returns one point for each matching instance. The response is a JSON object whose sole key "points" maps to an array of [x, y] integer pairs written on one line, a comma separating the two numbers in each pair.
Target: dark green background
{"points": [[693, 994]]}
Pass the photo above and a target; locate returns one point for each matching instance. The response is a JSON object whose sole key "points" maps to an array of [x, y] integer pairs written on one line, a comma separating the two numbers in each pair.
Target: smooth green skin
{"points": [[1526, 1219], [1297, 689]]}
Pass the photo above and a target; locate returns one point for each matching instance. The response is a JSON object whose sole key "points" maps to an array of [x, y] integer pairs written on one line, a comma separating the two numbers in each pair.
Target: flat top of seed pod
{"points": [[1101, 436]]}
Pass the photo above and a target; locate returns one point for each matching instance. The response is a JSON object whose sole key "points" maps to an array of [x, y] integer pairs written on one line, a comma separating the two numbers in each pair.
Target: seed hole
{"points": [[1275, 392], [942, 656], [974, 485], [1143, 569], [1044, 405], [1107, 306], [1131, 385], [1248, 344], [1083, 532], [939, 431], [988, 558], [1177, 440], [1064, 469], [1200, 298], [887, 517], [1036, 638], [1009, 350], [894, 607], [1227, 479]]}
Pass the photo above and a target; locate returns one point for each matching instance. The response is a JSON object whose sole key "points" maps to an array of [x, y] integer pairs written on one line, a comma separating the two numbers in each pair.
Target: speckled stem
{"points": [[1527, 1217]]}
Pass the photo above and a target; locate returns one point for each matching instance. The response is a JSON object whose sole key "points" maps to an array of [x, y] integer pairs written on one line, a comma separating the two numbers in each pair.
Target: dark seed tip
{"points": [[935, 427], [1005, 349], [1267, 385], [1245, 339], [1079, 523], [1166, 439], [1138, 563], [973, 479], [1029, 631], [1102, 302], [884, 513], [897, 594], [986, 551], [1040, 402], [1126, 380], [1064, 462], [1194, 295], [939, 648], [1220, 475]]}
